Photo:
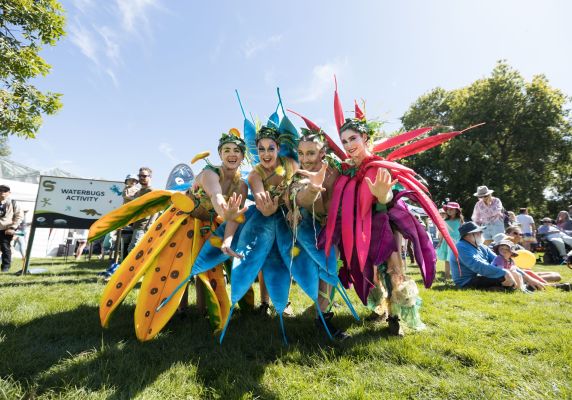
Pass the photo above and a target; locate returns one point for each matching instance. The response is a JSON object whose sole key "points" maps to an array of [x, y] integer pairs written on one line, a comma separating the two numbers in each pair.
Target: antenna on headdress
{"points": [[338, 110], [359, 114]]}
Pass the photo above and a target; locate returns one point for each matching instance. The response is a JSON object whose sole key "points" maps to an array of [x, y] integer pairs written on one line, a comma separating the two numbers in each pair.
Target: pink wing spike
{"points": [[399, 139], [338, 110], [431, 210], [427, 143], [331, 144], [333, 210], [348, 214], [311, 126], [421, 145], [359, 114]]}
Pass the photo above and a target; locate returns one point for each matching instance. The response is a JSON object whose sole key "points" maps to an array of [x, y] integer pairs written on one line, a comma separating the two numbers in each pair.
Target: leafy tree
{"points": [[4, 148], [524, 152], [24, 26]]}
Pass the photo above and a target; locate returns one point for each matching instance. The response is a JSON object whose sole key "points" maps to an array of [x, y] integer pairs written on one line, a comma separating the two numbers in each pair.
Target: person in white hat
{"points": [[488, 212], [131, 187]]}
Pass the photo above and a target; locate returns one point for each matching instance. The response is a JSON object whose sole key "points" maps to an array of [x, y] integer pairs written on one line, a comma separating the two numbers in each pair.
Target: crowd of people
{"points": [[328, 219], [488, 244]]}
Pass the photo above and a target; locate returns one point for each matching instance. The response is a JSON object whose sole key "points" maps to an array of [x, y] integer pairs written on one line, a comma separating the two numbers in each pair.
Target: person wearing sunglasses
{"points": [[141, 226]]}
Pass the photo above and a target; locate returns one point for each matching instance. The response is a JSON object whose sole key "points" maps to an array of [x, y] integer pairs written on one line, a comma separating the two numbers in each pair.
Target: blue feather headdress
{"points": [[287, 134]]}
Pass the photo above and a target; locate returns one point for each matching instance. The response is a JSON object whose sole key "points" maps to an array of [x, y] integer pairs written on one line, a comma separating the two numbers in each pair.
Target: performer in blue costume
{"points": [[265, 242]]}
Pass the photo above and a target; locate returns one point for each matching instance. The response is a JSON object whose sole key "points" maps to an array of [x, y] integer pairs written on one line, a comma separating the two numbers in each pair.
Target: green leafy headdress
{"points": [[233, 136]]}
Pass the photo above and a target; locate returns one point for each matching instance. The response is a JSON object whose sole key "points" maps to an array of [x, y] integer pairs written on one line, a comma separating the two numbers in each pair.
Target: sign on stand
{"points": [[72, 203]]}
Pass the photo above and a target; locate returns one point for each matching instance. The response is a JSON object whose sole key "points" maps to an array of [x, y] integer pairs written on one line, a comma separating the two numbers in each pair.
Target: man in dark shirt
{"points": [[141, 226], [10, 218]]}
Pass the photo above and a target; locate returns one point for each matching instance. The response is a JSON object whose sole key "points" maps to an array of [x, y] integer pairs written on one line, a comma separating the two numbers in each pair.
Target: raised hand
{"points": [[231, 209], [266, 204], [382, 185], [316, 179]]}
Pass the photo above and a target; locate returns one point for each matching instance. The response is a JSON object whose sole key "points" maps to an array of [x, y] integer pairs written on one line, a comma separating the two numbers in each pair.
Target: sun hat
{"points": [[546, 219], [470, 227], [132, 176], [452, 204], [483, 191], [507, 243], [499, 237]]}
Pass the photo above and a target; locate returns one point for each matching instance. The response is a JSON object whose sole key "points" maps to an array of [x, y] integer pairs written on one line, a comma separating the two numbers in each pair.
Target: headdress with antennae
{"points": [[279, 128]]}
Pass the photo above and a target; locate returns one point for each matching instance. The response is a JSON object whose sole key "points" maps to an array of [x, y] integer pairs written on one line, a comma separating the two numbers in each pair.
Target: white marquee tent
{"points": [[23, 182]]}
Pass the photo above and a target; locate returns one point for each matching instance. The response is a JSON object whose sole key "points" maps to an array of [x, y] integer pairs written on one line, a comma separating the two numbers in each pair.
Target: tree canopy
{"points": [[523, 152], [25, 25]]}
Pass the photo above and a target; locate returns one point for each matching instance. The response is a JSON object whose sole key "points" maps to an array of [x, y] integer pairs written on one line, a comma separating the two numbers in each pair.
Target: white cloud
{"points": [[83, 38], [83, 5], [322, 80], [111, 41], [102, 43], [216, 51], [252, 46], [167, 150], [134, 14]]}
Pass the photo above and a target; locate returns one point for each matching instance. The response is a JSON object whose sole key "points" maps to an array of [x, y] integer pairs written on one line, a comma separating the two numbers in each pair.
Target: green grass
{"points": [[478, 345]]}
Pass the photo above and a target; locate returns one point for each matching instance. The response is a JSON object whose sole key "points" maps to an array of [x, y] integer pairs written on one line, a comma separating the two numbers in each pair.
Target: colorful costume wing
{"points": [[288, 134], [141, 207]]}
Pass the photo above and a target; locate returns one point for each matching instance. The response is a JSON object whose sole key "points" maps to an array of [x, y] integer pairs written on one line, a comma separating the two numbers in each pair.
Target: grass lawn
{"points": [[491, 345]]}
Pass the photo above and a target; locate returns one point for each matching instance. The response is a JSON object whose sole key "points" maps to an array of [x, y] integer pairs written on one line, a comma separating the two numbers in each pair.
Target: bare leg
{"points": [[550, 276], [447, 270], [200, 294], [80, 248], [324, 291], [264, 297]]}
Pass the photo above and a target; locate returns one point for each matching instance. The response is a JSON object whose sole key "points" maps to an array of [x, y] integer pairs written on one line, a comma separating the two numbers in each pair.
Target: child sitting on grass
{"points": [[505, 251]]}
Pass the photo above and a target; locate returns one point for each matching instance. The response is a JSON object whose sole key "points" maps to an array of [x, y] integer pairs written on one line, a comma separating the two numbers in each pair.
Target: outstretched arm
{"points": [[264, 202], [209, 181], [312, 186]]}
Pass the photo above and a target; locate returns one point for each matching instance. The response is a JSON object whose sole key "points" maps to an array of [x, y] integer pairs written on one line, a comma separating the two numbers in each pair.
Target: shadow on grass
{"points": [[72, 347], [47, 282]]}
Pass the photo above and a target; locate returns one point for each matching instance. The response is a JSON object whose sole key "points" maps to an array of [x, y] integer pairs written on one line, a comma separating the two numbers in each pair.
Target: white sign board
{"points": [[74, 203]]}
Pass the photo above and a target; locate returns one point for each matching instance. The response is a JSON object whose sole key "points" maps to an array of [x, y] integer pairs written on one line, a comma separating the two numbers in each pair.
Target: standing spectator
{"points": [[555, 236], [10, 218], [80, 236], [131, 188], [511, 218], [488, 212], [453, 219], [141, 226], [527, 227], [563, 222], [20, 242]]}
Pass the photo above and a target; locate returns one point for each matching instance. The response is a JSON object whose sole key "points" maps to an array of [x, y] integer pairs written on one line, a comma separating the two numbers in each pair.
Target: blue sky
{"points": [[151, 82]]}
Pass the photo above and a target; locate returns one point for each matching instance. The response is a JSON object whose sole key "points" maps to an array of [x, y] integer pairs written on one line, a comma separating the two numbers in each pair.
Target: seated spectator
{"points": [[551, 233], [475, 268], [563, 222], [514, 234], [528, 227], [506, 252]]}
